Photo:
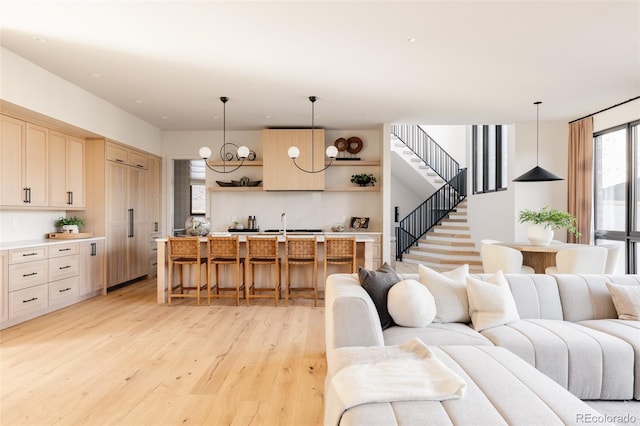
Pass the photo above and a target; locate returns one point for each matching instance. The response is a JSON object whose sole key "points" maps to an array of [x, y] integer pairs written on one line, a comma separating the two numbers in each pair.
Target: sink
{"points": [[293, 231]]}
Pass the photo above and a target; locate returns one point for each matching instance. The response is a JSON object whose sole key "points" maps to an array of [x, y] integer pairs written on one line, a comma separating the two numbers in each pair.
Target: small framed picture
{"points": [[360, 222]]}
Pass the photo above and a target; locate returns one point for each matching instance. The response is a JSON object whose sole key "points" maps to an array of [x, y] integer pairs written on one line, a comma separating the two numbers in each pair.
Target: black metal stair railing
{"points": [[430, 212], [428, 150]]}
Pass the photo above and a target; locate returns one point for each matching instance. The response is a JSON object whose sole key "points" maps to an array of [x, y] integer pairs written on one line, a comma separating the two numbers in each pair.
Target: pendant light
{"points": [[294, 151], [537, 174], [242, 153]]}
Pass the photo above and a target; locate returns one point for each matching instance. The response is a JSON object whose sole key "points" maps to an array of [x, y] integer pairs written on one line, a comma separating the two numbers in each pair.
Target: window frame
{"points": [[481, 163]]}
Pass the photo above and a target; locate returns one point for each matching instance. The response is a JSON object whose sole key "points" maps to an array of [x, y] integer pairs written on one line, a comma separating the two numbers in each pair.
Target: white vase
{"points": [[70, 229], [539, 235]]}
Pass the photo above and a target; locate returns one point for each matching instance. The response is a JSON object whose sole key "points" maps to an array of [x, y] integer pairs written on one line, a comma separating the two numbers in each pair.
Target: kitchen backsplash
{"points": [[25, 225]]}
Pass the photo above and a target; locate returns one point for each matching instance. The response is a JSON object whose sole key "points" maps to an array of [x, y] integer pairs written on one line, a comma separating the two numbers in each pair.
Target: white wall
{"points": [[27, 225], [452, 139], [622, 114], [305, 209], [30, 86]]}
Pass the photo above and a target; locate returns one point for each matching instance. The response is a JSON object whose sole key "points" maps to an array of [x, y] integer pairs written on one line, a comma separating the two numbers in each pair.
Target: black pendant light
{"points": [[537, 174]]}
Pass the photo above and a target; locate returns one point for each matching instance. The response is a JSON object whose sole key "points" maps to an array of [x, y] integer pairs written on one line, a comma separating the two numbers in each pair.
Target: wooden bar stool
{"points": [[224, 251], [262, 251], [340, 251], [301, 251], [184, 251]]}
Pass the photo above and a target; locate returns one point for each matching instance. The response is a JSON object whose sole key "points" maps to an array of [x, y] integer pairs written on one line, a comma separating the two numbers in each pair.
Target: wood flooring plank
{"points": [[121, 359]]}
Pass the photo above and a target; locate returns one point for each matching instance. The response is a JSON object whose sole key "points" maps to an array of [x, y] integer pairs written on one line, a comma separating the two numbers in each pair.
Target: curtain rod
{"points": [[606, 109]]}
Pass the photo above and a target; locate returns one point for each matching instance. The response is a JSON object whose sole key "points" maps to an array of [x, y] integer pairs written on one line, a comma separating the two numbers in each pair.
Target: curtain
{"points": [[580, 178]]}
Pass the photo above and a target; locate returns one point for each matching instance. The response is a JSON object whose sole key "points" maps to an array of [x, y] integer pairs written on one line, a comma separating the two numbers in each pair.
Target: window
{"points": [[617, 192], [197, 187], [489, 150]]}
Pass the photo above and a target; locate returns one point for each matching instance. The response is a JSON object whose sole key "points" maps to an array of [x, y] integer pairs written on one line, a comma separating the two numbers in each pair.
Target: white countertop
{"points": [[10, 245], [242, 236]]}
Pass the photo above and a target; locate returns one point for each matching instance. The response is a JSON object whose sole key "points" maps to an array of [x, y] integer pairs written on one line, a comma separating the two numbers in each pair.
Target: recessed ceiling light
{"points": [[40, 39], [267, 117], [164, 117], [215, 117], [138, 101], [95, 74], [411, 39]]}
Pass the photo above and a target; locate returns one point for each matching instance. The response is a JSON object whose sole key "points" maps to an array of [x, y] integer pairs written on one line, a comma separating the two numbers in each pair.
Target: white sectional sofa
{"points": [[568, 330]]}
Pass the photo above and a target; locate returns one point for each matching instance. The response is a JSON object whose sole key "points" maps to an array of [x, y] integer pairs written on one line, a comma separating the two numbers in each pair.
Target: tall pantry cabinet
{"points": [[120, 207]]}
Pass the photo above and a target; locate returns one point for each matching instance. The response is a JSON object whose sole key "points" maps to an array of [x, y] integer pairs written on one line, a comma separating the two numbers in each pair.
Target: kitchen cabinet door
{"points": [[279, 171], [36, 165], [66, 171], [155, 196], [12, 189], [138, 245], [92, 262], [4, 286], [117, 223]]}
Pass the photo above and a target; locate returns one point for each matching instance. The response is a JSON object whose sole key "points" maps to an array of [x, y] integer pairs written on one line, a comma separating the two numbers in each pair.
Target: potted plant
{"points": [[70, 224], [544, 221], [364, 179]]}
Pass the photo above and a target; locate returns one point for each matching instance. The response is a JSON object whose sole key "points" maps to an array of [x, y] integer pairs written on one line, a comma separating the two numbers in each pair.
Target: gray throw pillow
{"points": [[377, 285]]}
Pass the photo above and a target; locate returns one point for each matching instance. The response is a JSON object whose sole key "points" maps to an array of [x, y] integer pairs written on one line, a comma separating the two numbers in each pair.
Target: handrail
{"points": [[430, 212], [428, 150]]}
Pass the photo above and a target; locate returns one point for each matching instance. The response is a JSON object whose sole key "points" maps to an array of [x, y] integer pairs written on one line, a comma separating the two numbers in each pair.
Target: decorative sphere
{"points": [[243, 152], [332, 151], [293, 152], [204, 152], [197, 226]]}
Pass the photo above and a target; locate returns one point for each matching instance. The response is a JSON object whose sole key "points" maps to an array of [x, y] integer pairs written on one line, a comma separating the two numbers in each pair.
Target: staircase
{"points": [[447, 245], [436, 233]]}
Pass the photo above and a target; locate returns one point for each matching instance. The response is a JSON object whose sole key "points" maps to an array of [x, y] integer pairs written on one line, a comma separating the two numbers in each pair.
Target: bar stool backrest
{"points": [[224, 248], [184, 249], [262, 248], [301, 248], [340, 249]]}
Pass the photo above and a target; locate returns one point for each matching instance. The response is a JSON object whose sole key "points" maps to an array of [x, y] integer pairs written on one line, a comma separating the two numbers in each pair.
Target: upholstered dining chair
{"points": [[579, 260], [185, 251], [301, 251], [224, 250], [496, 258], [613, 253]]}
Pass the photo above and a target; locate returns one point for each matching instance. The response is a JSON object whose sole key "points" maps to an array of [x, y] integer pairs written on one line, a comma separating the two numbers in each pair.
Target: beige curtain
{"points": [[580, 179]]}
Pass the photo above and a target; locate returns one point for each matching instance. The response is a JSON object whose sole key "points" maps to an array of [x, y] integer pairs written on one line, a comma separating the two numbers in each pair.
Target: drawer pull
{"points": [[64, 249], [64, 289], [140, 165], [29, 275], [29, 254], [30, 300], [119, 160], [65, 267], [154, 264]]}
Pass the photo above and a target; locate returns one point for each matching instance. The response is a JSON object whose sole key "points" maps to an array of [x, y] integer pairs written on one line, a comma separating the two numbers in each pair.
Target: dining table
{"points": [[540, 257]]}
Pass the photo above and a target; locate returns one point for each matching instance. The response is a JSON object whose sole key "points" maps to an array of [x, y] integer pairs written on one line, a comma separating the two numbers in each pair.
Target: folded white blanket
{"points": [[408, 372]]}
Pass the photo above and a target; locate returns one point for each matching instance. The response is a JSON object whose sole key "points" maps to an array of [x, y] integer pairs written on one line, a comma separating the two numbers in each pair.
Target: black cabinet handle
{"points": [[119, 160], [64, 267], [64, 249], [30, 300], [29, 254], [155, 224], [130, 223], [69, 197], [94, 249], [26, 197], [64, 289], [30, 275]]}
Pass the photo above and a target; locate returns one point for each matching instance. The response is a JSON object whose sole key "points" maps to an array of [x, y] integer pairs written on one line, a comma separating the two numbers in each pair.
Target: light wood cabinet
{"points": [[155, 195], [23, 164], [66, 171], [126, 222], [279, 173], [92, 267], [4, 290]]}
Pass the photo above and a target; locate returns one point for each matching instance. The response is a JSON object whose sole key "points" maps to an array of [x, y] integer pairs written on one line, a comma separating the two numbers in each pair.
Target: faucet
{"points": [[283, 223]]}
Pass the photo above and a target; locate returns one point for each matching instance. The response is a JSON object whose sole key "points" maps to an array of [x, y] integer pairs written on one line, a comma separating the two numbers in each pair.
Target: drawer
{"points": [[23, 275], [63, 290], [153, 250], [27, 254], [138, 160], [63, 267], [28, 300], [117, 153], [57, 250]]}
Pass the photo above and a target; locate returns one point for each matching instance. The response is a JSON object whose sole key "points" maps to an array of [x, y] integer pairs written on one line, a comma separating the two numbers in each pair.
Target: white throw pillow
{"points": [[449, 291], [410, 304], [626, 299], [491, 302]]}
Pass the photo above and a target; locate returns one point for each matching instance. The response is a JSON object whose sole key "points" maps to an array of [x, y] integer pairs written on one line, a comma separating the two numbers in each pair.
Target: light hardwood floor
{"points": [[121, 359]]}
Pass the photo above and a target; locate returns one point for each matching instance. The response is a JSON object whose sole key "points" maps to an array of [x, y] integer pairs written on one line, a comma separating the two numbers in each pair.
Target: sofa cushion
{"points": [[449, 289], [626, 299], [491, 302], [626, 330], [377, 284], [436, 334], [410, 304], [501, 389], [587, 362]]}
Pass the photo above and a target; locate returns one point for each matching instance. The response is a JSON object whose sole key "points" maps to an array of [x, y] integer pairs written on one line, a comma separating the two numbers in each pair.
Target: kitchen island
{"points": [[367, 247]]}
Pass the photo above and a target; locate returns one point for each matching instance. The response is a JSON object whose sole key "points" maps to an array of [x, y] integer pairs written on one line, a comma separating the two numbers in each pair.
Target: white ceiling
{"points": [[471, 62]]}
